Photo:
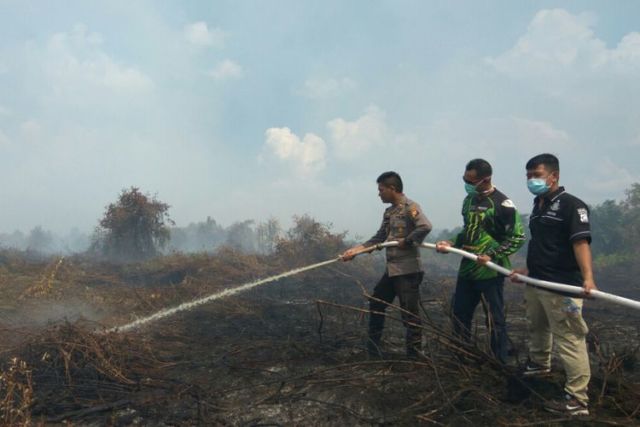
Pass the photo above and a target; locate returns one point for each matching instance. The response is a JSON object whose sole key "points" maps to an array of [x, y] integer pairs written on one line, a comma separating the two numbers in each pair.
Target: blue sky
{"points": [[251, 109]]}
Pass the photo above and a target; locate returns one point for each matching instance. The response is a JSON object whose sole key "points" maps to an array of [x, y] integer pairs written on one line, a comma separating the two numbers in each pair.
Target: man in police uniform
{"points": [[404, 222], [493, 231], [558, 251]]}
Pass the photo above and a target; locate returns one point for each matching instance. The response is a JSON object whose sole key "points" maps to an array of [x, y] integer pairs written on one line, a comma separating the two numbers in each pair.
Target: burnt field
{"points": [[286, 353]]}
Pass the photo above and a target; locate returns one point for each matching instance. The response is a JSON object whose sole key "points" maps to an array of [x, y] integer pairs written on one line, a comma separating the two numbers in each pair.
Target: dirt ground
{"points": [[288, 353]]}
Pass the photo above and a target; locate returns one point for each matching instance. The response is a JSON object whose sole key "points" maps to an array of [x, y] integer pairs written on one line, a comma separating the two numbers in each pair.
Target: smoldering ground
{"points": [[290, 352]]}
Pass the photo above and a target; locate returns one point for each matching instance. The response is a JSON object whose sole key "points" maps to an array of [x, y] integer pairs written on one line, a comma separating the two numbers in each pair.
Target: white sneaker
{"points": [[569, 405]]}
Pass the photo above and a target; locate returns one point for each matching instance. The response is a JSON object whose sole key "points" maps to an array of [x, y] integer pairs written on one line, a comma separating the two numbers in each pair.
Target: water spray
{"points": [[218, 295], [558, 287]]}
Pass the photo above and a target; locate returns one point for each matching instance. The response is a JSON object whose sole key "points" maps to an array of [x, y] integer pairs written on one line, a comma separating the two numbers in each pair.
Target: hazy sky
{"points": [[250, 109]]}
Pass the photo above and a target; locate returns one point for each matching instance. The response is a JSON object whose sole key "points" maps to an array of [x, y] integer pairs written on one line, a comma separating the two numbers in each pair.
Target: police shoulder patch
{"points": [[508, 204], [413, 211]]}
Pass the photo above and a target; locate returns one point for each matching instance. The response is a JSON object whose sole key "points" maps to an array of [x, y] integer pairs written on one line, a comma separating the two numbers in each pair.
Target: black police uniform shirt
{"points": [[562, 220]]}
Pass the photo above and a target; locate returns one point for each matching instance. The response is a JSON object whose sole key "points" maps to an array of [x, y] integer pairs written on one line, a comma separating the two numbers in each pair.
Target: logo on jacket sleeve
{"points": [[584, 215], [508, 204]]}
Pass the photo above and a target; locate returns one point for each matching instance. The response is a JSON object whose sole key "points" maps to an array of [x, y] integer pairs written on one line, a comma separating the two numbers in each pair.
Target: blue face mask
{"points": [[470, 189], [537, 186]]}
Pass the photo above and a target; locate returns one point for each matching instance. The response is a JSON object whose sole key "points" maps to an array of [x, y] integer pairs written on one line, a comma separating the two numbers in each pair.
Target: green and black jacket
{"points": [[492, 226]]}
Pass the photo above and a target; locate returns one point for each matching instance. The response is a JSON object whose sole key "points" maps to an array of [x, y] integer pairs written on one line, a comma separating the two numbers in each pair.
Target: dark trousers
{"points": [[467, 296], [407, 288]]}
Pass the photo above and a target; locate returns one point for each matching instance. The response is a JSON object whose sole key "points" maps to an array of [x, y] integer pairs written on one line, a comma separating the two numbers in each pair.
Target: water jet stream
{"points": [[218, 295]]}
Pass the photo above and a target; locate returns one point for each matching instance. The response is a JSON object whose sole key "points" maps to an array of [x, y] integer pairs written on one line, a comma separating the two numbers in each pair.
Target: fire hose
{"points": [[558, 287], [553, 286]]}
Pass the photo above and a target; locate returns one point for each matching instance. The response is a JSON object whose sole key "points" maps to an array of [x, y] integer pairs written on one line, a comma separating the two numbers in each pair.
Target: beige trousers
{"points": [[558, 319]]}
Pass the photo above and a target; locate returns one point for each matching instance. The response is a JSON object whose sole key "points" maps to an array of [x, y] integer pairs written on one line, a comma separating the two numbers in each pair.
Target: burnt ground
{"points": [[287, 353]]}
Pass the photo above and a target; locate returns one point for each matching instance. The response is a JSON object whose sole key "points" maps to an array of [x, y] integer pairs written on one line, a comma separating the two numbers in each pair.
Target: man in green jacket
{"points": [[493, 231]]}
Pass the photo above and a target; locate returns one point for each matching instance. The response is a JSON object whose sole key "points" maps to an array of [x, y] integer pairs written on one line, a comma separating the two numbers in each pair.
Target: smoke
{"points": [[43, 313], [247, 236], [40, 241]]}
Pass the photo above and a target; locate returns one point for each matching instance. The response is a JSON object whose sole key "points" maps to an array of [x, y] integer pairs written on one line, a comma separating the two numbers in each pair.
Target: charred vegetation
{"points": [[288, 353]]}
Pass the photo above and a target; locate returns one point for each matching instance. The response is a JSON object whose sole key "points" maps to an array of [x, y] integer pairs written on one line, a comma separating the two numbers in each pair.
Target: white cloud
{"points": [[627, 53], [496, 135], [227, 69], [610, 177], [74, 59], [353, 139], [306, 156], [81, 36], [4, 139], [31, 131], [501, 140], [530, 132], [557, 41], [315, 88], [199, 34]]}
